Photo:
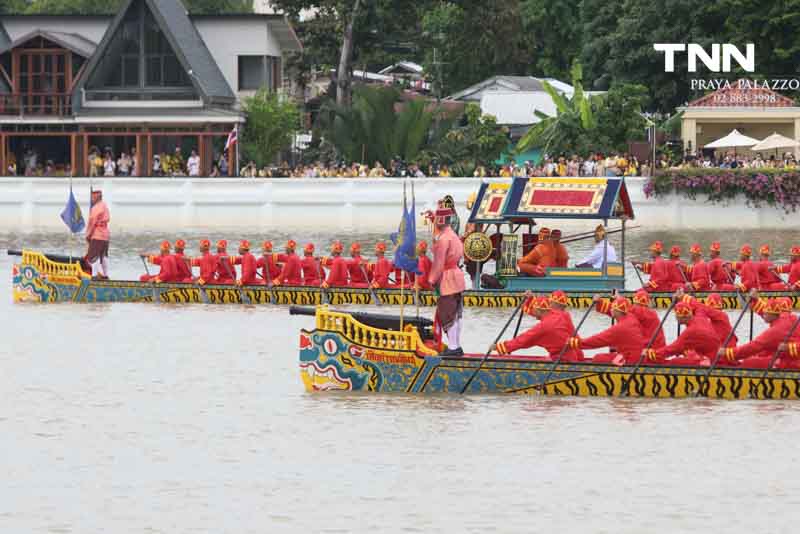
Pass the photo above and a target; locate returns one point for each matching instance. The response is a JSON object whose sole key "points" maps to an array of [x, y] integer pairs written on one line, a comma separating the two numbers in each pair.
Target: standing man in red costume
{"points": [[292, 272], [644, 313], [225, 272], [248, 263], [448, 252], [98, 236], [625, 336], [166, 262], [268, 263], [337, 267], [697, 345], [424, 265], [382, 267], [767, 278], [312, 271], [699, 278], [356, 267], [551, 333], [720, 277], [207, 263], [657, 269], [183, 265], [747, 270], [792, 269]]}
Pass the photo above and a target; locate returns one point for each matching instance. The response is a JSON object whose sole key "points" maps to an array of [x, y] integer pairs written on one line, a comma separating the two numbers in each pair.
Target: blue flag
{"points": [[72, 215], [405, 240]]}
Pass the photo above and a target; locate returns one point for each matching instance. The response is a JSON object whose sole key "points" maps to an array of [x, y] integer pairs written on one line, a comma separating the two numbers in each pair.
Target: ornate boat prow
{"points": [[39, 279]]}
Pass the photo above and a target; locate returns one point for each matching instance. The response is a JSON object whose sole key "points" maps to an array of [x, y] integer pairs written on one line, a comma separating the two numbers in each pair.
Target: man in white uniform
{"points": [[595, 258]]}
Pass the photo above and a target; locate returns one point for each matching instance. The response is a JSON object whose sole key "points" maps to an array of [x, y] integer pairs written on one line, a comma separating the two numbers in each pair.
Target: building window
{"points": [[256, 72]]}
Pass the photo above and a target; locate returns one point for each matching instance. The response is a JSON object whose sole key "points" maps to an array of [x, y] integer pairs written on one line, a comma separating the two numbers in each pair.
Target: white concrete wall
{"points": [[229, 39], [346, 204]]}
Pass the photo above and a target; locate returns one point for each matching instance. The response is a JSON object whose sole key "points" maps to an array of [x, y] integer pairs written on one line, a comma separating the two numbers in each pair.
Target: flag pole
{"points": [[414, 215], [403, 271]]}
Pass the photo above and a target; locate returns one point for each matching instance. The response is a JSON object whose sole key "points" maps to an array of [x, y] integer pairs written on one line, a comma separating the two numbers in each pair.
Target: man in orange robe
{"points": [[292, 273], [543, 255], [551, 333], [562, 255]]}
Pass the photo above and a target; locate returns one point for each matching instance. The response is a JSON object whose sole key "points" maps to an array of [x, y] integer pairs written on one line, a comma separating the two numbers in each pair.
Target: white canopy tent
{"points": [[733, 140], [774, 142]]}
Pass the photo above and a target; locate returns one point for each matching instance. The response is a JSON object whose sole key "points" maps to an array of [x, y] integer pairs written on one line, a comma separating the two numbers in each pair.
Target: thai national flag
{"points": [[233, 138]]}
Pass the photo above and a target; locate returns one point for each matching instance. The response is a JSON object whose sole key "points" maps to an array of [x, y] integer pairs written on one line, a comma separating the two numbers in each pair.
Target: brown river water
{"points": [[151, 418]]}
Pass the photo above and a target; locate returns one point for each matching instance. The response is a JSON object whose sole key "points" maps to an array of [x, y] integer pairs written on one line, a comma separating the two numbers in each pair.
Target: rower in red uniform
{"points": [[697, 345], [625, 336], [792, 269], [268, 263], [356, 267], [657, 269], [758, 353], [291, 274], [382, 267], [768, 280], [183, 265], [207, 263], [559, 302], [712, 309], [312, 271], [746, 269], [226, 272], [424, 265], [337, 267], [248, 263], [720, 278], [551, 333], [642, 310], [699, 279], [166, 262], [676, 268]]}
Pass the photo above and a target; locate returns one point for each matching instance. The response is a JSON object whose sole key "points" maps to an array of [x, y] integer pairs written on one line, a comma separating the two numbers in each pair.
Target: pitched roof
{"points": [[4, 38], [71, 41], [743, 94], [189, 47], [510, 83]]}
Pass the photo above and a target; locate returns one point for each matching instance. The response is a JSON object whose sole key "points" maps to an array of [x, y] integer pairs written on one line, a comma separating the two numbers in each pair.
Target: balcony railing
{"points": [[36, 104]]}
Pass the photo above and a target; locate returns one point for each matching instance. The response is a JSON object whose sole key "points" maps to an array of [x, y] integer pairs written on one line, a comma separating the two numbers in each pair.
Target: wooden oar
{"points": [[552, 369], [586, 235], [489, 351], [626, 384], [638, 274], [711, 367], [147, 270], [323, 292], [369, 285], [242, 296], [775, 356], [519, 320]]}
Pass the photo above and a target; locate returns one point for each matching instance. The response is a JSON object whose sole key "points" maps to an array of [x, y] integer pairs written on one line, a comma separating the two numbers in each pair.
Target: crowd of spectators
{"points": [[732, 160]]}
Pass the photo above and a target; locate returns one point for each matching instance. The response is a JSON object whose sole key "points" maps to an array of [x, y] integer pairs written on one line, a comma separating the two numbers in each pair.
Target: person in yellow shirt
{"points": [[444, 172], [562, 166]]}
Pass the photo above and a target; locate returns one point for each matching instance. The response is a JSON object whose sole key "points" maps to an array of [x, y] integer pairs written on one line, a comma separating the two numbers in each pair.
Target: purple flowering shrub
{"points": [[772, 187]]}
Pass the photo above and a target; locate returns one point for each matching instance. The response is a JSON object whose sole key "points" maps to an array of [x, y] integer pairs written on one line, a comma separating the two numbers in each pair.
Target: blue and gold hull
{"points": [[341, 354], [37, 279]]}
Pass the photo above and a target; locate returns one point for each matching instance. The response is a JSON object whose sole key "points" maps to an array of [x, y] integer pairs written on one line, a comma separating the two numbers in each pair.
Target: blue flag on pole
{"points": [[72, 215], [405, 240]]}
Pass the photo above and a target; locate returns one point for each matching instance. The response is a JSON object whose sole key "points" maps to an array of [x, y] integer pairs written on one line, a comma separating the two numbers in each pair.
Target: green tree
{"points": [[555, 34], [94, 7], [272, 120], [619, 117]]}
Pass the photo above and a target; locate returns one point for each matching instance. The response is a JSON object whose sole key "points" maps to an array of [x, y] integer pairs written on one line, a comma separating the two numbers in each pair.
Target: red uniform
{"points": [[291, 274], [719, 276], [249, 268], [626, 336], [183, 268], [381, 271], [676, 269], [768, 280], [208, 267], [311, 271], [748, 274], [551, 333], [660, 278], [424, 265], [167, 272], [700, 278], [793, 270], [720, 321], [225, 272], [697, 342], [337, 272], [356, 270], [758, 353], [269, 266], [648, 319]]}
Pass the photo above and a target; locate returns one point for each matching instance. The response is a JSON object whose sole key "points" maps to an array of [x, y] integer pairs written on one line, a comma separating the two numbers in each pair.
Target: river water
{"points": [[156, 418]]}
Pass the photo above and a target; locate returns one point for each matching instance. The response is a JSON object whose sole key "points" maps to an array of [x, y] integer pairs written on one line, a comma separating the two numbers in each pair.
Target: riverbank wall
{"points": [[348, 204]]}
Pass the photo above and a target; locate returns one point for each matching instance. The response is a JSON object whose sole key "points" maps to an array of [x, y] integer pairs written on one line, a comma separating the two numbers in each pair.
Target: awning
{"points": [[774, 142], [567, 198], [489, 203], [733, 140]]}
